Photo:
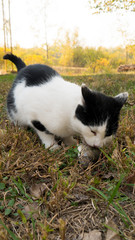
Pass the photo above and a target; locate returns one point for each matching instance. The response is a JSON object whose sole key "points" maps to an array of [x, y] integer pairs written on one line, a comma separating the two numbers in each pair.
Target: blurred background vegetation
{"points": [[68, 55]]}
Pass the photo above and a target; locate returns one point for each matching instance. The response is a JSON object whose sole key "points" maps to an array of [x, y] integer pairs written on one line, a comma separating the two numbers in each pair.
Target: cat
{"points": [[40, 98]]}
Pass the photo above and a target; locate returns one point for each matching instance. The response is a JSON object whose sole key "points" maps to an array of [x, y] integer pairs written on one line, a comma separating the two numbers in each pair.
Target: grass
{"points": [[48, 195]]}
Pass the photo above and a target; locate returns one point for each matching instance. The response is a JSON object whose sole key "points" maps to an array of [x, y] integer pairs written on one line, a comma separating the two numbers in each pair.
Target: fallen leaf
{"points": [[131, 178], [131, 145], [92, 235], [31, 209], [129, 182], [109, 175], [37, 190], [2, 133], [62, 228], [112, 232], [78, 197], [116, 154]]}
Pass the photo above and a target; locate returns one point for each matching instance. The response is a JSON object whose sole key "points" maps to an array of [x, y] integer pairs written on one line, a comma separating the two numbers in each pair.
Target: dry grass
{"points": [[48, 195]]}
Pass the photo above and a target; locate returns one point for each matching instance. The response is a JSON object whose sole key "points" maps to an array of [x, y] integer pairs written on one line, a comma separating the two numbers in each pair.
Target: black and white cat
{"points": [[42, 99]]}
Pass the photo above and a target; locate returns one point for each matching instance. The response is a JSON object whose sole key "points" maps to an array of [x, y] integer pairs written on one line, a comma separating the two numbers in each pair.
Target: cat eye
{"points": [[94, 132]]}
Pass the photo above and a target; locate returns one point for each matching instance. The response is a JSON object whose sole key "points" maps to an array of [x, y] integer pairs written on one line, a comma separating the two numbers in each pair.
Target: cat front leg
{"points": [[69, 141], [47, 138]]}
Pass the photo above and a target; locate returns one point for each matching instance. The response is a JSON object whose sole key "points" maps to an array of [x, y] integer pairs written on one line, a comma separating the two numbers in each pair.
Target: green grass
{"points": [[46, 195]]}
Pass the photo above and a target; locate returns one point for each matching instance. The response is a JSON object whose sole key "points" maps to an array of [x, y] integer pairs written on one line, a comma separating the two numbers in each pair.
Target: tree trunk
{"points": [[4, 31], [10, 32], [126, 55]]}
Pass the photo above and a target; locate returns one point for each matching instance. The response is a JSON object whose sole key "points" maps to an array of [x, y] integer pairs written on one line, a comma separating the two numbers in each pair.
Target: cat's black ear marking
{"points": [[81, 114], [122, 98], [85, 92]]}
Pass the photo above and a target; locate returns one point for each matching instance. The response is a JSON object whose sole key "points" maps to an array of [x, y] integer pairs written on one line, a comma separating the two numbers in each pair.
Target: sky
{"points": [[34, 21]]}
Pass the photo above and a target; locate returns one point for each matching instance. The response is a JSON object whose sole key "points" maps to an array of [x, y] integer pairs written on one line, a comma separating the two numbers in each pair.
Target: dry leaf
{"points": [[109, 175], [62, 228], [130, 144], [112, 232], [131, 178], [37, 190], [130, 182], [116, 154], [2, 133], [92, 235], [78, 197], [31, 209]]}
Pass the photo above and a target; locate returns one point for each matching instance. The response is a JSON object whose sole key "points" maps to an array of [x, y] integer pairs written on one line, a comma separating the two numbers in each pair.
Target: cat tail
{"points": [[16, 60]]}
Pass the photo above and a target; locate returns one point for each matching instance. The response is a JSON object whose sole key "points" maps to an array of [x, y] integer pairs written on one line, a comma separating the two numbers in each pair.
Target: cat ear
{"points": [[80, 113], [85, 92], [122, 97]]}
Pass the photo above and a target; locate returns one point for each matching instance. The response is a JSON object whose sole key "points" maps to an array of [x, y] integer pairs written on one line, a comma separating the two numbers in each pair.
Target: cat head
{"points": [[98, 116]]}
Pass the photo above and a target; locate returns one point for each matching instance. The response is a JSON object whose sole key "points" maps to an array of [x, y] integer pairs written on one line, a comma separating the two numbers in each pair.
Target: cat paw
{"points": [[54, 146]]}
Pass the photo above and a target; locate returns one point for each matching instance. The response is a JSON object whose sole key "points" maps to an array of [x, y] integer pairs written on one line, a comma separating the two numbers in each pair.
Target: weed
{"points": [[113, 196]]}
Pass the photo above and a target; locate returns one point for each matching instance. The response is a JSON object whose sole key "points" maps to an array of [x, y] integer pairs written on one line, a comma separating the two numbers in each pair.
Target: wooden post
{"points": [[4, 31], [10, 32], [126, 54]]}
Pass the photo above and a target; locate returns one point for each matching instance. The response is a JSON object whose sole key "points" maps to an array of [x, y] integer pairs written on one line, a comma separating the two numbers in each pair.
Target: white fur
{"points": [[54, 104], [98, 139], [122, 95]]}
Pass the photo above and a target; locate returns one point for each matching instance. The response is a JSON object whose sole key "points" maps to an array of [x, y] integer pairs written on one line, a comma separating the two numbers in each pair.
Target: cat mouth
{"points": [[94, 146]]}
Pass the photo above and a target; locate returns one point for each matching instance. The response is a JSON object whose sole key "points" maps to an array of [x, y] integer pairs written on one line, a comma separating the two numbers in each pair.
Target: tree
{"points": [[75, 40], [7, 30], [79, 57], [7, 26], [4, 32], [103, 6], [102, 64], [45, 6], [91, 56], [111, 5], [4, 29], [10, 32], [116, 57], [67, 48]]}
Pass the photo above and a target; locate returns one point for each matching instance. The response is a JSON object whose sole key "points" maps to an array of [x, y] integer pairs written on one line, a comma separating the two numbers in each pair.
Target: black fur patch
{"points": [[16, 60], [11, 103], [58, 140], [40, 126], [97, 109], [36, 74]]}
